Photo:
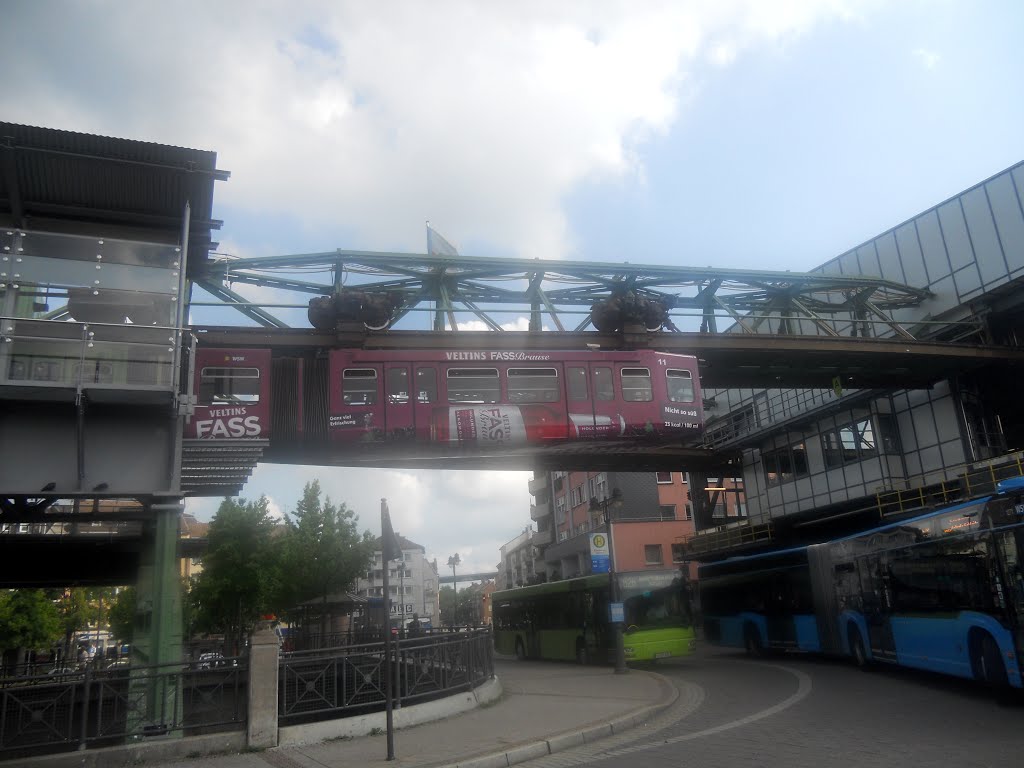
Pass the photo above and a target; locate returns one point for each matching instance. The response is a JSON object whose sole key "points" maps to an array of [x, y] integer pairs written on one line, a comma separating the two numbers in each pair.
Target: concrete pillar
{"points": [[263, 676]]}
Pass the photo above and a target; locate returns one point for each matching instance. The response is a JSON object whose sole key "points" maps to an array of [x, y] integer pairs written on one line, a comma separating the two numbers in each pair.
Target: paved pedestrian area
{"points": [[544, 707]]}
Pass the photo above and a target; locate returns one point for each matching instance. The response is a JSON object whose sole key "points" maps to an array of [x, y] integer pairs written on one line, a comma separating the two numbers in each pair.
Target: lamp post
{"points": [[452, 562], [609, 505]]}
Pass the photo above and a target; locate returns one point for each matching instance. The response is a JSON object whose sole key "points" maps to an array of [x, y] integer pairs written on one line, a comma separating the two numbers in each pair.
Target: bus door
{"points": [[358, 413], [876, 590], [399, 402]]}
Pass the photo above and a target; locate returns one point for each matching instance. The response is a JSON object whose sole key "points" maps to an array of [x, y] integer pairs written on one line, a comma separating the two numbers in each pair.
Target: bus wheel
{"points": [[752, 642], [520, 650], [988, 663], [860, 656]]}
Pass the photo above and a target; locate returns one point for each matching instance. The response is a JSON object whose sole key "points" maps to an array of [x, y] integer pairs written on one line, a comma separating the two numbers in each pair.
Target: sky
{"points": [[733, 133]]}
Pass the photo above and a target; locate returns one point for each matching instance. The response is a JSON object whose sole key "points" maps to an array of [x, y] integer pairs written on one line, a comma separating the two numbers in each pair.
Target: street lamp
{"points": [[452, 562], [610, 505]]}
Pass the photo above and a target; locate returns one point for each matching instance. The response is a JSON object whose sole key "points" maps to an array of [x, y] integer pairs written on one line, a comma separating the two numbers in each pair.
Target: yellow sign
{"points": [[837, 386]]}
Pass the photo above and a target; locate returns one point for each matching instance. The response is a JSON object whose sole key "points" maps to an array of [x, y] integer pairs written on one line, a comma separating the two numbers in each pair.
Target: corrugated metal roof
{"points": [[75, 180]]}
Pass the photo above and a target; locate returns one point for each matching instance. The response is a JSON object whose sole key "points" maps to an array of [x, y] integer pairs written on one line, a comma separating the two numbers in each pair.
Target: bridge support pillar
{"points": [[157, 635]]}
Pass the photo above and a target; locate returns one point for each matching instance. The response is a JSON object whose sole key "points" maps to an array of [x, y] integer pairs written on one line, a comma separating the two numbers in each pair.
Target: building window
{"points": [[688, 513], [667, 511], [563, 535], [560, 509], [577, 496], [784, 464], [853, 442], [678, 555], [664, 477], [652, 554]]}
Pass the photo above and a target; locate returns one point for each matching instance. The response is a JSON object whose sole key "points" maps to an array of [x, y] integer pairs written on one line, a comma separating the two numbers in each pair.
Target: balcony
{"points": [[538, 484], [540, 538], [539, 511]]}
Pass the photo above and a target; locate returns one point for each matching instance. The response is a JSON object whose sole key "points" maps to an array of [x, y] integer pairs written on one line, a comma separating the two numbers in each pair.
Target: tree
{"points": [[235, 586], [465, 608], [122, 614], [74, 611], [322, 552], [28, 621]]}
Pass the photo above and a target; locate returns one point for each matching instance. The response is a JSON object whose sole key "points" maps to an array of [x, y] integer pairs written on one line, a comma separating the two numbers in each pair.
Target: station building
{"points": [[818, 461]]}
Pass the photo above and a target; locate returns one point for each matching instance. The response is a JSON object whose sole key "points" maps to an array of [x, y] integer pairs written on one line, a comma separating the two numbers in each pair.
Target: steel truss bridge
{"points": [[752, 329]]}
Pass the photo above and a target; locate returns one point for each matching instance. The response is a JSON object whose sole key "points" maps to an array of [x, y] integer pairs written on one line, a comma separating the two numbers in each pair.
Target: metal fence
{"points": [[121, 703], [341, 682]]}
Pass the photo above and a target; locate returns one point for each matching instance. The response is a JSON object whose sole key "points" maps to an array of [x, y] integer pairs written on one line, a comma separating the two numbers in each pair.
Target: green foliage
{"points": [[28, 619], [235, 585], [122, 614], [322, 552], [467, 607]]}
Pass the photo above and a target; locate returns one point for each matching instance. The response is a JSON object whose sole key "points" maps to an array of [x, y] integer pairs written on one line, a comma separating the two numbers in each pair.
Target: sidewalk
{"points": [[546, 707]]}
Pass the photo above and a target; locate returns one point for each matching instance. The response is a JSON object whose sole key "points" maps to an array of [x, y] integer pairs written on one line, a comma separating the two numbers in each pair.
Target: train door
{"points": [[601, 416], [399, 417], [425, 400], [358, 411]]}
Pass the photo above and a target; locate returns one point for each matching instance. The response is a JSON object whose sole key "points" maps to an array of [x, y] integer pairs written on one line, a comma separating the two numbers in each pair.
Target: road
{"points": [[796, 711]]}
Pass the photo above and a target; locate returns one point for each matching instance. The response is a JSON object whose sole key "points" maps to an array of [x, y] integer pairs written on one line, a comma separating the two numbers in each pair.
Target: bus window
{"points": [[603, 387], [473, 385], [426, 385], [218, 386], [680, 385], [359, 386], [532, 385], [398, 386], [576, 378], [636, 385]]}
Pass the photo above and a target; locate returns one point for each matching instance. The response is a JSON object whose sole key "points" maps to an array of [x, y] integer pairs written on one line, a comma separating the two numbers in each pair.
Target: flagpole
{"points": [[385, 545]]}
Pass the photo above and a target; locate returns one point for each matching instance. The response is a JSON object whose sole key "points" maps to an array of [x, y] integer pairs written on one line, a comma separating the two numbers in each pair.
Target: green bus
{"points": [[569, 620]]}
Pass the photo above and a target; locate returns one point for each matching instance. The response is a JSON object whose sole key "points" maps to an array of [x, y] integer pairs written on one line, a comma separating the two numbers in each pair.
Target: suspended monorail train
{"points": [[355, 399]]}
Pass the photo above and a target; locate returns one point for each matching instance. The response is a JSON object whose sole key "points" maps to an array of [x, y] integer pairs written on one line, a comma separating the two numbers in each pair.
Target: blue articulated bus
{"points": [[942, 592]]}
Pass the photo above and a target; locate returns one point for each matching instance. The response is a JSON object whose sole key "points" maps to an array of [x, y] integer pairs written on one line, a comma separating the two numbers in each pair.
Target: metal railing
{"points": [[95, 706], [341, 682]]}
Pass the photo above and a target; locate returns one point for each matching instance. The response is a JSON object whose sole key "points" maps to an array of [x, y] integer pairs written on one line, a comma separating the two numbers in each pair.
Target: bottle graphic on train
{"points": [[517, 425]]}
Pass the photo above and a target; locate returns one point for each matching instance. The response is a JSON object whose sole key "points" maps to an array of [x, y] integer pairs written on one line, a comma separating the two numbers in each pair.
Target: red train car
{"points": [[490, 399], [496, 397], [232, 388]]}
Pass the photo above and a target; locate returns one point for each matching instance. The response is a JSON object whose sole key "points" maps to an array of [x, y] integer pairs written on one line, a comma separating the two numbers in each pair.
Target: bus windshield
{"points": [[656, 599]]}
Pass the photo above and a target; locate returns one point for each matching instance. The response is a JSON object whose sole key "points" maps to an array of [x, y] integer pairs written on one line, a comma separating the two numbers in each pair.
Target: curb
{"points": [[570, 739]]}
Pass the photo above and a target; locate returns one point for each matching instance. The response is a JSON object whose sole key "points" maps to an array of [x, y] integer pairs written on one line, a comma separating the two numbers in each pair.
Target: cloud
{"points": [[370, 118], [928, 58]]}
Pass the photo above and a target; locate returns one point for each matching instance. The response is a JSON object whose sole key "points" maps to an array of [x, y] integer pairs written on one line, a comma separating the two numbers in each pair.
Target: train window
{"points": [[359, 386], [426, 385], [229, 385], [398, 386], [532, 385], [576, 378], [680, 385], [473, 385], [603, 387], [636, 385]]}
